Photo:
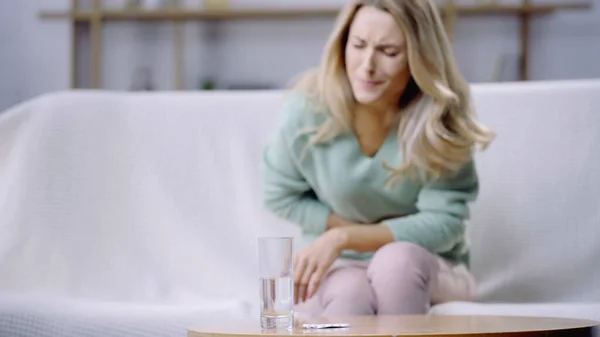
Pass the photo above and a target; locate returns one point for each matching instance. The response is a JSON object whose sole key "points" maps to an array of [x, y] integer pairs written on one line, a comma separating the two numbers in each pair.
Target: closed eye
{"points": [[358, 43], [390, 53]]}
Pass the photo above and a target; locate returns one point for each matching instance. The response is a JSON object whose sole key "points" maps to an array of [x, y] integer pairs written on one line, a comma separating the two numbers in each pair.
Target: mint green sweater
{"points": [[337, 177]]}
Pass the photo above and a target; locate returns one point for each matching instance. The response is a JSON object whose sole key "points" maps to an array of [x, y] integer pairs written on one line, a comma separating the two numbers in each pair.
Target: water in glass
{"points": [[276, 301]]}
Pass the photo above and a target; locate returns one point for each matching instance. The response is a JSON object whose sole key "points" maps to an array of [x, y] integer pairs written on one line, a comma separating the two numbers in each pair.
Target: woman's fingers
{"points": [[304, 269], [305, 280], [299, 268], [315, 281]]}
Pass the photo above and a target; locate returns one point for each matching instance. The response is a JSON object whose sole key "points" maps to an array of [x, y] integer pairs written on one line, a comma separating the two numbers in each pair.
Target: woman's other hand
{"points": [[311, 263]]}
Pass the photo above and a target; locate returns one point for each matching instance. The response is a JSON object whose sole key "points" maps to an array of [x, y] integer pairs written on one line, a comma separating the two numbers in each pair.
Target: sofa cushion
{"points": [[34, 315], [589, 311]]}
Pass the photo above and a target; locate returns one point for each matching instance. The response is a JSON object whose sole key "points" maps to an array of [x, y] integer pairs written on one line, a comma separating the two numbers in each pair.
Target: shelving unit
{"points": [[97, 17]]}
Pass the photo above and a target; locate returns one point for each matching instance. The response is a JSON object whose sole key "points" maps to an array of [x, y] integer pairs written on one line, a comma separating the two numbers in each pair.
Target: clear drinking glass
{"points": [[276, 282]]}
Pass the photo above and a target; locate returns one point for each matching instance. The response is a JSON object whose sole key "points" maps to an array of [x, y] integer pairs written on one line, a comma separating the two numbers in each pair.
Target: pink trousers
{"points": [[402, 278]]}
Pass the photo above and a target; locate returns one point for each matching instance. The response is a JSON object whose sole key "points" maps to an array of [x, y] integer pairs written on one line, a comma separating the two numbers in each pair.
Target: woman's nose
{"points": [[368, 64]]}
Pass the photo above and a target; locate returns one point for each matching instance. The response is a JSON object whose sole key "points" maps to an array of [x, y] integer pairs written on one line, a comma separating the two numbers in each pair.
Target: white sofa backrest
{"points": [[135, 197], [535, 230], [155, 197]]}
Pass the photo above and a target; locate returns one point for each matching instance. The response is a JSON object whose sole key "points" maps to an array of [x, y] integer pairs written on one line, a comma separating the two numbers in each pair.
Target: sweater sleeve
{"points": [[284, 188], [442, 208]]}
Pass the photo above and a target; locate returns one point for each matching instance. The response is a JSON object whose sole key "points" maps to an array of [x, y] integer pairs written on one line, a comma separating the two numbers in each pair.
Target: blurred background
{"points": [[50, 45]]}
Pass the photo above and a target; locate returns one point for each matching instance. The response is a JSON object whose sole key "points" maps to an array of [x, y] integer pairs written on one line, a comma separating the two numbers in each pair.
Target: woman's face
{"points": [[376, 57]]}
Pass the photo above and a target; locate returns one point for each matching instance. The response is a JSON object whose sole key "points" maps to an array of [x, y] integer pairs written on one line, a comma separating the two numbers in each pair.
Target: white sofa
{"points": [[136, 214]]}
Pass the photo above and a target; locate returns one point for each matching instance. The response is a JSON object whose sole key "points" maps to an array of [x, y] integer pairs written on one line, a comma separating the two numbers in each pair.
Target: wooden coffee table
{"points": [[392, 326]]}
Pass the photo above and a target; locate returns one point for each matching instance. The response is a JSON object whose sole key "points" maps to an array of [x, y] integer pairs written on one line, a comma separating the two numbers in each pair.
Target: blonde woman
{"points": [[373, 160]]}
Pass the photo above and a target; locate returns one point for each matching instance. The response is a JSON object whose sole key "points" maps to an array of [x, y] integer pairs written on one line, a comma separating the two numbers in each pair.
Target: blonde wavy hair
{"points": [[438, 129]]}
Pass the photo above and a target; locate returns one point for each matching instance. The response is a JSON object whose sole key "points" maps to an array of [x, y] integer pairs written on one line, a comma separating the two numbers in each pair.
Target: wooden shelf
{"points": [[186, 15], [97, 17]]}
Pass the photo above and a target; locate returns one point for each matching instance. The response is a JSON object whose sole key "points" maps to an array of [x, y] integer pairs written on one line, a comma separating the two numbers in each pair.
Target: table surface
{"points": [[392, 326]]}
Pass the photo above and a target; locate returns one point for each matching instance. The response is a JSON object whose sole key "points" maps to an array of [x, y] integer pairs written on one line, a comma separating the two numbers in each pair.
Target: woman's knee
{"points": [[353, 296], [403, 259]]}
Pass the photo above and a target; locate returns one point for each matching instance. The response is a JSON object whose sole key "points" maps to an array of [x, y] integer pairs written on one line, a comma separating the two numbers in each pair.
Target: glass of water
{"points": [[275, 256]]}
